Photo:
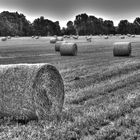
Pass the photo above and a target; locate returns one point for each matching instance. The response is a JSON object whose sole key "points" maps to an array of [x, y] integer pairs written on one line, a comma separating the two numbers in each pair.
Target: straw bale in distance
{"points": [[68, 49], [3, 38], [106, 37], [68, 36], [53, 40], [75, 37], [30, 91], [89, 38], [60, 38], [64, 36], [122, 49], [8, 37], [37, 37], [128, 35], [122, 37]]}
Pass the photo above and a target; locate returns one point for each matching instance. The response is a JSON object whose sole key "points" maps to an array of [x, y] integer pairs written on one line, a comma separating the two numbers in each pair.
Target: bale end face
{"points": [[68, 49], [122, 49], [50, 88], [30, 91]]}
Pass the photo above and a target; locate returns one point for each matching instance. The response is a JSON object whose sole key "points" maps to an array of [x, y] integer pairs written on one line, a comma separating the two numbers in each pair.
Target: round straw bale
{"points": [[60, 38], [30, 91], [75, 37], [68, 36], [33, 36], [106, 37], [88, 39], [58, 44], [3, 38], [122, 49], [8, 37], [122, 37], [53, 40], [68, 49], [64, 36], [129, 35], [133, 36], [37, 37]]}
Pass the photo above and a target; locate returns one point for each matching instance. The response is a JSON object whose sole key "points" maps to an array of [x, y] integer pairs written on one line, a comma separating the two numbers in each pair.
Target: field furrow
{"points": [[102, 92]]}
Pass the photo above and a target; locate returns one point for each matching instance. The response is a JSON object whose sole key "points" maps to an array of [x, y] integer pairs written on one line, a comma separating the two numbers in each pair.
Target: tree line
{"points": [[15, 24]]}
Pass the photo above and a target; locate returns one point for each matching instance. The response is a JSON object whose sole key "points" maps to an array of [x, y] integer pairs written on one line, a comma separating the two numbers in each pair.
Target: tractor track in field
{"points": [[92, 77], [108, 81]]}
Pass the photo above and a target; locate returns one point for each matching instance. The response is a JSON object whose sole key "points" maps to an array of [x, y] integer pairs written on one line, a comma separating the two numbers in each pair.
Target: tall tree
{"points": [[13, 23], [46, 27], [70, 28], [136, 24], [109, 27], [86, 25], [125, 27]]}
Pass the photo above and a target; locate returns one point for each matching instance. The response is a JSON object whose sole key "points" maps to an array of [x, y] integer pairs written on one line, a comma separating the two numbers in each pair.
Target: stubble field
{"points": [[102, 92]]}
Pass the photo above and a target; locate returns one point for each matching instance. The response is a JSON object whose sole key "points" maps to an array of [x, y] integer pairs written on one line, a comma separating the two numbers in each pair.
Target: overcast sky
{"points": [[65, 10]]}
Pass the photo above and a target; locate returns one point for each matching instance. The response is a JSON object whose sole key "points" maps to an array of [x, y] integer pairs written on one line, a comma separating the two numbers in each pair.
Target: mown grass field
{"points": [[102, 92]]}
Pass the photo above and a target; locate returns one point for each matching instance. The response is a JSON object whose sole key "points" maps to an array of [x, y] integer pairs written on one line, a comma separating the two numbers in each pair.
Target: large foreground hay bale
{"points": [[53, 40], [3, 38], [58, 44], [68, 49], [122, 49], [30, 91]]}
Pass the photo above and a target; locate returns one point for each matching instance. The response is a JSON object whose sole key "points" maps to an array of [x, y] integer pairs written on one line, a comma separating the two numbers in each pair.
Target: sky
{"points": [[65, 10]]}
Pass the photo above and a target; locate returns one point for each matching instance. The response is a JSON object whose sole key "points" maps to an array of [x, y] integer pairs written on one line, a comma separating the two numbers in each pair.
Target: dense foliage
{"points": [[17, 24], [13, 23], [45, 27]]}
